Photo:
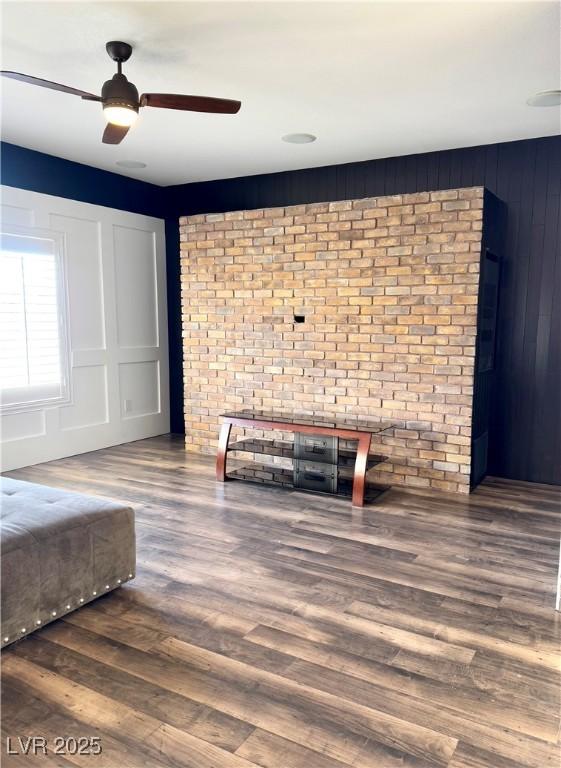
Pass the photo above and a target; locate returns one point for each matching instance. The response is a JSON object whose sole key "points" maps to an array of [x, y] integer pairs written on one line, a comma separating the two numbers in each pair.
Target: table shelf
{"points": [[280, 477], [284, 449]]}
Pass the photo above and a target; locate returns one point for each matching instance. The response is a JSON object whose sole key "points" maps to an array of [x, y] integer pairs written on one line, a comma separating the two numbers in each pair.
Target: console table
{"points": [[351, 466]]}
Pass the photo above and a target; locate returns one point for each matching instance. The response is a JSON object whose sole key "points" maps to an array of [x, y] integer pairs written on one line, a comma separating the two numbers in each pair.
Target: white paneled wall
{"points": [[116, 283]]}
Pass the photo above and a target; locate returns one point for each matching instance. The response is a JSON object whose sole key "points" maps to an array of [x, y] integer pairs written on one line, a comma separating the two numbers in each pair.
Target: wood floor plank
{"points": [[163, 743], [410, 574], [419, 742], [545, 655], [60, 723], [416, 537], [401, 639], [217, 631], [152, 699], [286, 630], [375, 640], [223, 685], [501, 741], [467, 756], [188, 751], [467, 699], [270, 751]]}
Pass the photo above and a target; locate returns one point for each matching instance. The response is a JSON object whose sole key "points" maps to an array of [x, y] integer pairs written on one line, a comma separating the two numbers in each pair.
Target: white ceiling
{"points": [[371, 79]]}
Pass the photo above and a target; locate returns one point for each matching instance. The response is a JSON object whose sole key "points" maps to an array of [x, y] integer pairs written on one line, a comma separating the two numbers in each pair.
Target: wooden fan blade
{"points": [[114, 134], [49, 84], [190, 103]]}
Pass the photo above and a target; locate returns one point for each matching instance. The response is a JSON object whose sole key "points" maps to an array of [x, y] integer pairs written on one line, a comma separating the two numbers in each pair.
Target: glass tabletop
{"points": [[356, 424]]}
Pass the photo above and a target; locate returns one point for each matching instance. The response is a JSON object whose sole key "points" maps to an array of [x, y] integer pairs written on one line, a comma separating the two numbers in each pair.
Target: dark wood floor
{"points": [[285, 630]]}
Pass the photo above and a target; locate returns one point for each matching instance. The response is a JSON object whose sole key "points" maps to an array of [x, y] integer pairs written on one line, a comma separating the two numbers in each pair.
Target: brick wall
{"points": [[388, 287]]}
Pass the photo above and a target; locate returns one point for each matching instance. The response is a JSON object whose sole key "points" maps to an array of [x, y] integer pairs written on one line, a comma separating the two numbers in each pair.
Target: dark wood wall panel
{"points": [[526, 428]]}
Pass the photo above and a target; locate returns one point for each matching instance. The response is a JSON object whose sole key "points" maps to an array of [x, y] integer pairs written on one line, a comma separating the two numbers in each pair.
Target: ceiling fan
{"points": [[120, 99]]}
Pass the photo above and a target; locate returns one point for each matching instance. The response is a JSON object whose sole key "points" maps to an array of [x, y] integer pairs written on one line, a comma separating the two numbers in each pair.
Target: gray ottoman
{"points": [[59, 551]]}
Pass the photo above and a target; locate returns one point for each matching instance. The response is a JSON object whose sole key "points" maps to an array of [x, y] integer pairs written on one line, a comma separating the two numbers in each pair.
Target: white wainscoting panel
{"points": [[20, 216], [18, 426], [90, 398], [140, 388], [117, 328], [85, 280], [136, 284]]}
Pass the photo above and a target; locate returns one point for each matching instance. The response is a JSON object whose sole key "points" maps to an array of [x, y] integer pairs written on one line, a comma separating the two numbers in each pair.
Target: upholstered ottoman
{"points": [[59, 550]]}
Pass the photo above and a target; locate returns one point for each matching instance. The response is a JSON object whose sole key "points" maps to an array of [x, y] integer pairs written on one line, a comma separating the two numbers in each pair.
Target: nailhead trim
{"points": [[68, 607]]}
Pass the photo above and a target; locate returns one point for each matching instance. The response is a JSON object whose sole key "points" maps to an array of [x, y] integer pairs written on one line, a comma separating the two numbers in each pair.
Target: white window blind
{"points": [[32, 333]]}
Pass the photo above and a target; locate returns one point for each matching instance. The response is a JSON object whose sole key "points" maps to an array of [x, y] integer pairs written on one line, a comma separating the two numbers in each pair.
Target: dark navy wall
{"points": [[175, 328], [27, 169]]}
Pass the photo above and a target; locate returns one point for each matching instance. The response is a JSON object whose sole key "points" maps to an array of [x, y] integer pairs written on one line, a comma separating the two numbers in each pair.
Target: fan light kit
{"points": [[299, 138], [120, 115], [121, 102], [545, 99]]}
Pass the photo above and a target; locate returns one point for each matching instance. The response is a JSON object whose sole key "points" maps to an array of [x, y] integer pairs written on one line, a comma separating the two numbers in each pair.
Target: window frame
{"points": [[65, 396]]}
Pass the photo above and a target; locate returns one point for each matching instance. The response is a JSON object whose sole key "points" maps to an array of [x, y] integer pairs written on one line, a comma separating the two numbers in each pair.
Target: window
{"points": [[33, 340]]}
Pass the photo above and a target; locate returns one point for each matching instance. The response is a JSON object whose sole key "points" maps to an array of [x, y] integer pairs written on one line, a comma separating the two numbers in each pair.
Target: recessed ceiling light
{"points": [[130, 164], [299, 138], [545, 99]]}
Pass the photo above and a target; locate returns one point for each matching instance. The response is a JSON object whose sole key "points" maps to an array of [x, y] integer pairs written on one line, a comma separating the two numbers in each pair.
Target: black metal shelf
{"points": [[284, 449], [268, 474]]}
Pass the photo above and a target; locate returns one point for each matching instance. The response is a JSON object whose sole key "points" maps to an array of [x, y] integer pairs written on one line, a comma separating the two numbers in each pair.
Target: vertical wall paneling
{"points": [[173, 278], [485, 376]]}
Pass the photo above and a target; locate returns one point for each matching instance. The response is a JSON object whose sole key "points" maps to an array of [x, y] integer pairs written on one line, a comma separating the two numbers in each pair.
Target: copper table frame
{"points": [[363, 438]]}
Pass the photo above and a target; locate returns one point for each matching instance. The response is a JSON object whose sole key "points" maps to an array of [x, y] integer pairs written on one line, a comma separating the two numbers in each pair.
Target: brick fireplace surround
{"points": [[388, 288]]}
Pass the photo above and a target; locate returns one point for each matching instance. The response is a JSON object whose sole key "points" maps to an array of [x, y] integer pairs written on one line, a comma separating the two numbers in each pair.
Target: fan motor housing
{"points": [[119, 92]]}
